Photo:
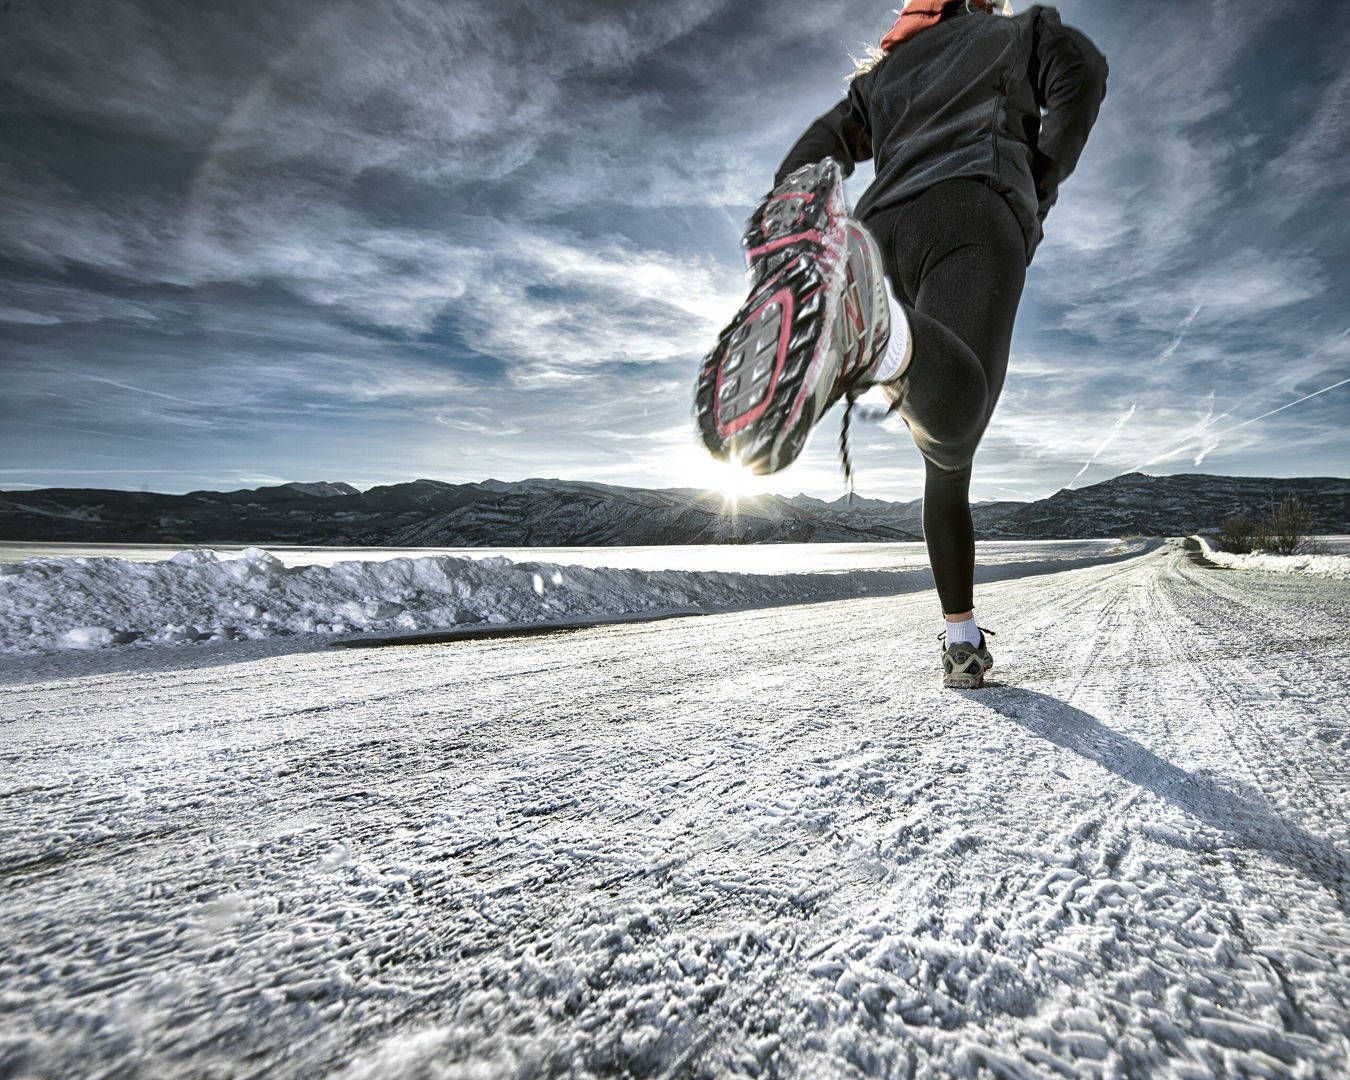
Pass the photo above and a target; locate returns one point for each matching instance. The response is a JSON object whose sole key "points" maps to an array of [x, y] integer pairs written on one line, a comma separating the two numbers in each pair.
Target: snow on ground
{"points": [[760, 843], [1329, 566], [82, 602]]}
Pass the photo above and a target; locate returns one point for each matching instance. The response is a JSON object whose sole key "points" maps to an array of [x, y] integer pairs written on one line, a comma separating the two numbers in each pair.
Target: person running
{"points": [[974, 117]]}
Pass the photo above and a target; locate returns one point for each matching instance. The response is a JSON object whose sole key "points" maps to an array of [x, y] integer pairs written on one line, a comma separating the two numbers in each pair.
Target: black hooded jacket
{"points": [[1008, 100]]}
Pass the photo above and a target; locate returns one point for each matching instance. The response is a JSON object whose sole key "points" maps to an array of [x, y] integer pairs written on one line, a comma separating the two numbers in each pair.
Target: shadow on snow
{"points": [[1242, 818]]}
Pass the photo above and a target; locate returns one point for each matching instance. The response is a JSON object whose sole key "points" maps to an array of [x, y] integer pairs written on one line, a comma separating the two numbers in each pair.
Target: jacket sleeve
{"points": [[1068, 75], [843, 133]]}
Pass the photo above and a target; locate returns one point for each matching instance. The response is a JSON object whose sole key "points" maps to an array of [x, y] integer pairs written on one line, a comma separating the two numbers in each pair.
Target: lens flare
{"points": [[730, 479]]}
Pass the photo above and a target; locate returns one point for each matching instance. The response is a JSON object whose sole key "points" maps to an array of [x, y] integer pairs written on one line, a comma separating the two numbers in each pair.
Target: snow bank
{"points": [[1328, 566], [85, 603], [195, 596]]}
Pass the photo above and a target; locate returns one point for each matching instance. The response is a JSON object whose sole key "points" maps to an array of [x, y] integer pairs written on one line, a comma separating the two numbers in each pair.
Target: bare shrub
{"points": [[1238, 533], [1286, 529]]}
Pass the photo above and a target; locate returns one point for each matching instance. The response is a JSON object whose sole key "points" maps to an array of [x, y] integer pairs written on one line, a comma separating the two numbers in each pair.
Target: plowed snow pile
{"points": [[1329, 566], [73, 603]]}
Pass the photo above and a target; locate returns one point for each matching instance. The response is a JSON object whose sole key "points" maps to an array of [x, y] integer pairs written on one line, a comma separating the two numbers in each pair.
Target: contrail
{"points": [[1287, 405], [1115, 430], [995, 487], [1166, 354], [123, 386]]}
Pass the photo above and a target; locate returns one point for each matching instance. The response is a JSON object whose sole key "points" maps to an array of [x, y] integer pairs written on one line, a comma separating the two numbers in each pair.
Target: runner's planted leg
{"points": [[956, 258]]}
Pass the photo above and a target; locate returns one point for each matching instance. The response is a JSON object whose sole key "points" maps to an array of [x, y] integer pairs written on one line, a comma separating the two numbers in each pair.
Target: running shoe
{"points": [[816, 319], [964, 664]]}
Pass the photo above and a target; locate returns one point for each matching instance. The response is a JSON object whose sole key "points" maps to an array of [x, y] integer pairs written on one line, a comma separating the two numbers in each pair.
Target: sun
{"points": [[733, 480], [730, 479]]}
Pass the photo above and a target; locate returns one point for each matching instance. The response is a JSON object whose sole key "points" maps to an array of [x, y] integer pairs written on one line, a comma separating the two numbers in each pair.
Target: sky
{"points": [[288, 240]]}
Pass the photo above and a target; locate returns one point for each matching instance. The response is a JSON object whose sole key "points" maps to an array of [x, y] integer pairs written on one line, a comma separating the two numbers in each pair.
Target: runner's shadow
{"points": [[1243, 818]]}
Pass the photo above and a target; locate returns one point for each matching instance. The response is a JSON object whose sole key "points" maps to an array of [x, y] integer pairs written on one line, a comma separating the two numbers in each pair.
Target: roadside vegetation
{"points": [[1284, 530]]}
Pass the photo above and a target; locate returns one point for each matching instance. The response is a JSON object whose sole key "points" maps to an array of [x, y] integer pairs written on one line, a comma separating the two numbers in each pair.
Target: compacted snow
{"points": [[91, 602], [759, 843]]}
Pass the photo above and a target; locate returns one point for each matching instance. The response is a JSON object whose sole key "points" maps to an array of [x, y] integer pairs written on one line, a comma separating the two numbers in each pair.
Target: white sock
{"points": [[966, 631], [899, 349]]}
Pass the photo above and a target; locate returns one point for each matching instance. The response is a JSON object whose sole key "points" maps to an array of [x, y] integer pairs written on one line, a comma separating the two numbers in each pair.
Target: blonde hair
{"points": [[873, 55]]}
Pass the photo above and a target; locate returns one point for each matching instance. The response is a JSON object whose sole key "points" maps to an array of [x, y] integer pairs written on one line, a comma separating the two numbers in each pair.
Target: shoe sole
{"points": [[753, 387]]}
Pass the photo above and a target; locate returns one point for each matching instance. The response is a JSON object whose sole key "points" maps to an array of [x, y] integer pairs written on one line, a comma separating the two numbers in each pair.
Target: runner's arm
{"points": [[843, 133], [1068, 74]]}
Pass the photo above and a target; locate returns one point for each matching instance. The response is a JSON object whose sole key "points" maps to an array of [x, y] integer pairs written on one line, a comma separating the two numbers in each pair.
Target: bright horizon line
{"points": [[20, 486]]}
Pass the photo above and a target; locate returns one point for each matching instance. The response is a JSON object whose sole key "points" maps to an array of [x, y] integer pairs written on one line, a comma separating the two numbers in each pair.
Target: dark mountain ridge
{"points": [[553, 513]]}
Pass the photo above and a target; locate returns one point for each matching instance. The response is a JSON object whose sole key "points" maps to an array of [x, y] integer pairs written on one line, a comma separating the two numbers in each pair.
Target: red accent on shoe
{"points": [[813, 236]]}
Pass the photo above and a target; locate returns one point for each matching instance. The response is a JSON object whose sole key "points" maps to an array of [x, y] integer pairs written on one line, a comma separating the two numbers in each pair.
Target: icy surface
{"points": [[724, 558], [92, 602], [1329, 566], [762, 843]]}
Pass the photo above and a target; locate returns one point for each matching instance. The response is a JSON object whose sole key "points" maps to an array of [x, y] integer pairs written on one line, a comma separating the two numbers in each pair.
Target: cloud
{"points": [[50, 304], [474, 237], [45, 222], [1313, 165], [477, 420], [562, 308]]}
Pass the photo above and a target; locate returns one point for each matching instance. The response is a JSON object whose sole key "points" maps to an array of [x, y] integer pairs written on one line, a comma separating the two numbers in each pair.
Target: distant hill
{"points": [[1136, 503], [552, 513]]}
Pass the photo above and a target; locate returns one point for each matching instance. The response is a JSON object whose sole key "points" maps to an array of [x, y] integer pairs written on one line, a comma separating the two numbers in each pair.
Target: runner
{"points": [[974, 116]]}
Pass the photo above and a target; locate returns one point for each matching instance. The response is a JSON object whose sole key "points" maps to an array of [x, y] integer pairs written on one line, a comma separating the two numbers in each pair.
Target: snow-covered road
{"points": [[758, 843]]}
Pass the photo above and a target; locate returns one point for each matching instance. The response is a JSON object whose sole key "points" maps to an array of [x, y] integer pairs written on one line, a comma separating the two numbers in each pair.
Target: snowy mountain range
{"points": [[430, 513]]}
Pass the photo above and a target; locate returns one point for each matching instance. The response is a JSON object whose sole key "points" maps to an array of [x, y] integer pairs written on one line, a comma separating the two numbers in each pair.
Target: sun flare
{"points": [[730, 479]]}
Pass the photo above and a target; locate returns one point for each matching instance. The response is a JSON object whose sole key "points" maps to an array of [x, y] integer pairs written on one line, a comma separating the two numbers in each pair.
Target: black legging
{"points": [[956, 258]]}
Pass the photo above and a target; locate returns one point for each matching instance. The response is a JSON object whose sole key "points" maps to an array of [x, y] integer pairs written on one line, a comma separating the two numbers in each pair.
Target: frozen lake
{"points": [[730, 558]]}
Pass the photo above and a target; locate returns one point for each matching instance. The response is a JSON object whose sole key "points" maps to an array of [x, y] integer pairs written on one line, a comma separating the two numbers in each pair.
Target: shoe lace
{"points": [[865, 414], [845, 457]]}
